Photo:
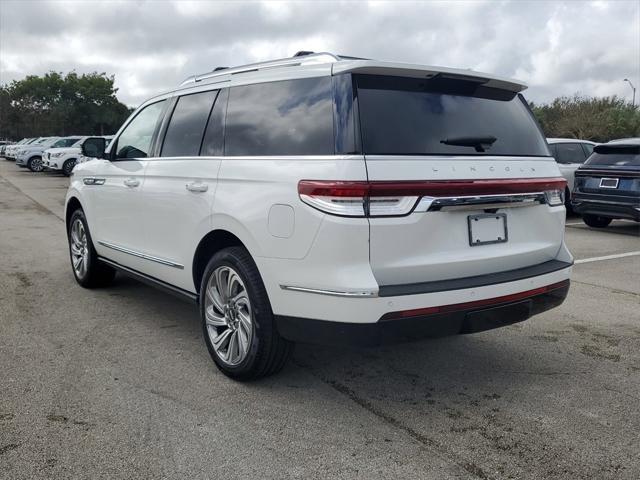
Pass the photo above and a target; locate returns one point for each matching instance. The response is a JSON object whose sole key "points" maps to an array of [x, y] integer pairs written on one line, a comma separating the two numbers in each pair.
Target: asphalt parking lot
{"points": [[117, 383]]}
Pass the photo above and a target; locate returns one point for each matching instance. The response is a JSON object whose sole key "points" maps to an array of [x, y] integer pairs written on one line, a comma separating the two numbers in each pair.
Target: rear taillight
{"points": [[393, 199], [554, 197], [354, 199]]}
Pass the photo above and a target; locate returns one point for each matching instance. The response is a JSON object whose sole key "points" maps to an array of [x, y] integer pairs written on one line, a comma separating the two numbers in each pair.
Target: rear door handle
{"points": [[197, 187], [132, 182]]}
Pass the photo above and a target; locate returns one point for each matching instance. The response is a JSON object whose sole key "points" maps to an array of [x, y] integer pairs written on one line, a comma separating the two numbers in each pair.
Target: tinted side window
{"points": [[188, 121], [569, 153], [135, 140], [292, 117], [213, 144], [588, 148]]}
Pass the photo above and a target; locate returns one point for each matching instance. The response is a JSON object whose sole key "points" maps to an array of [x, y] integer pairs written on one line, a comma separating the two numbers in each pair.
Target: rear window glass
{"points": [[411, 116], [615, 155], [292, 117]]}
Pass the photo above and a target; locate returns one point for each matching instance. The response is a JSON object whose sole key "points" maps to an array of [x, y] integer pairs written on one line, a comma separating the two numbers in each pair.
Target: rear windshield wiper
{"points": [[481, 144]]}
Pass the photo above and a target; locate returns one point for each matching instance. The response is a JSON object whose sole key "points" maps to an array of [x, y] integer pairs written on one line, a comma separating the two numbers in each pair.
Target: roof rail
{"points": [[300, 58]]}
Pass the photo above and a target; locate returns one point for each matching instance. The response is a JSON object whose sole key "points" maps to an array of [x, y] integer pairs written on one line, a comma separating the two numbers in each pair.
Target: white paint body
{"points": [[568, 170], [293, 244]]}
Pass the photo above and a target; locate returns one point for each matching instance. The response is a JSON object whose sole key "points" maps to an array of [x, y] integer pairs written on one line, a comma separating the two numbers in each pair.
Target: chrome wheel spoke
{"points": [[233, 283], [232, 350], [227, 315], [222, 340], [214, 297], [245, 322], [214, 318], [222, 278], [79, 248], [243, 341]]}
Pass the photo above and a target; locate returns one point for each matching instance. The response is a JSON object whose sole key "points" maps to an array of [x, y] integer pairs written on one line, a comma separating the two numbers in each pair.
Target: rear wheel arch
{"points": [[208, 246]]}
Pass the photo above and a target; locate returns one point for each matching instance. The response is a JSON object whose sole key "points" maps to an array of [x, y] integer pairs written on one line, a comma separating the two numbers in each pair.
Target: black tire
{"points": [[35, 164], [596, 221], [267, 352], [67, 167], [567, 201], [97, 274]]}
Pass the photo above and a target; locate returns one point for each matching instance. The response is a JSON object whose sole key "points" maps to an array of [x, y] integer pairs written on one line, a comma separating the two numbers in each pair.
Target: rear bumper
{"points": [[607, 207], [467, 317]]}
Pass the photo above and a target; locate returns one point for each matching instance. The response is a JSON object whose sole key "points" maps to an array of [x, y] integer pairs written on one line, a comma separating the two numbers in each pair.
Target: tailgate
{"points": [[435, 242]]}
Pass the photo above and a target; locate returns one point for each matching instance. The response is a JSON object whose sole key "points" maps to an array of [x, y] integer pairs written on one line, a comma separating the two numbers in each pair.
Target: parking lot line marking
{"points": [[607, 257], [573, 224]]}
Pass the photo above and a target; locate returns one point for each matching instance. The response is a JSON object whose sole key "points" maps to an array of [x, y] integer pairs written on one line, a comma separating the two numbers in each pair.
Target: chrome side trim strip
{"points": [[162, 261], [333, 293]]}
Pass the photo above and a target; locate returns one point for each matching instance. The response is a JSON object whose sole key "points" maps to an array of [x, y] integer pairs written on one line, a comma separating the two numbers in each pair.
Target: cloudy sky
{"points": [[558, 48]]}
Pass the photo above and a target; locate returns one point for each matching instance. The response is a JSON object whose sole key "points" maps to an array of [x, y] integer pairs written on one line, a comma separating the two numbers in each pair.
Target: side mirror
{"points": [[94, 147]]}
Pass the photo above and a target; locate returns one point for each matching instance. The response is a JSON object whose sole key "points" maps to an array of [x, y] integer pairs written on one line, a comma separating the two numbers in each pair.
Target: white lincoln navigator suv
{"points": [[327, 199]]}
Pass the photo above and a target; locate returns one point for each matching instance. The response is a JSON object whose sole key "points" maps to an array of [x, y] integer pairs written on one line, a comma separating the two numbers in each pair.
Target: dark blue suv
{"points": [[607, 185]]}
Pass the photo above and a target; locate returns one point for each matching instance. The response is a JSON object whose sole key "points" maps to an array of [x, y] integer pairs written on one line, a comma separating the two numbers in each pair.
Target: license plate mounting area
{"points": [[487, 229]]}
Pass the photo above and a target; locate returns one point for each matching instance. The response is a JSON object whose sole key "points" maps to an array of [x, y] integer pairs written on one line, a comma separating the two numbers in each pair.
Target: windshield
{"points": [[444, 116], [64, 142]]}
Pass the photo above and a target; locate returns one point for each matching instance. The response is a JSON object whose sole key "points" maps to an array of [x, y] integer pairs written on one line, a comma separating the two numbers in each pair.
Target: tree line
{"points": [[599, 119], [60, 105], [73, 104]]}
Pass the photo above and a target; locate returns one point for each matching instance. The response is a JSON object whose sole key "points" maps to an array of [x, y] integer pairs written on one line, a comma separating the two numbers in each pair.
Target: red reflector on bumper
{"points": [[456, 307]]}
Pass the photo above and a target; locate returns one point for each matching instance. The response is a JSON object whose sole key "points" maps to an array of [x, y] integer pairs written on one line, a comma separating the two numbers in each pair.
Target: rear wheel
{"points": [[87, 269], [67, 167], [237, 320], [35, 164], [596, 221]]}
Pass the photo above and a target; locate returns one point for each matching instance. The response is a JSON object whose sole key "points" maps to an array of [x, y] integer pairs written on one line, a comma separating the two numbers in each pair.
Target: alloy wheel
{"points": [[79, 248], [68, 167], [228, 315], [36, 164]]}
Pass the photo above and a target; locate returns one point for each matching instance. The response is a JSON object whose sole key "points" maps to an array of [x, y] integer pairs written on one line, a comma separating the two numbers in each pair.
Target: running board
{"points": [[151, 281]]}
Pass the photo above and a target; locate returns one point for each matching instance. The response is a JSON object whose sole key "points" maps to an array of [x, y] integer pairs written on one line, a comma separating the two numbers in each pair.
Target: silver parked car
{"points": [[570, 153]]}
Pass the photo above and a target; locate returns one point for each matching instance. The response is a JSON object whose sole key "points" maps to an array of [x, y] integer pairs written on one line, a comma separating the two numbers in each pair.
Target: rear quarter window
{"points": [[292, 117], [411, 116]]}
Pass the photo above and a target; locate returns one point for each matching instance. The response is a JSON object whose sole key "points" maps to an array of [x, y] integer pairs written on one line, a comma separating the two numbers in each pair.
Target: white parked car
{"points": [[290, 212], [30, 156], [65, 158], [10, 150], [570, 153]]}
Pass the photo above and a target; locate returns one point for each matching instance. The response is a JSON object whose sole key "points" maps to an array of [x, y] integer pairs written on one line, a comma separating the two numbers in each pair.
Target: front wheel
{"points": [[237, 321], [596, 221], [67, 167], [88, 271], [35, 164]]}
